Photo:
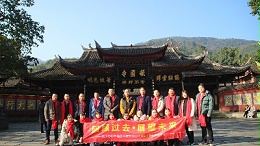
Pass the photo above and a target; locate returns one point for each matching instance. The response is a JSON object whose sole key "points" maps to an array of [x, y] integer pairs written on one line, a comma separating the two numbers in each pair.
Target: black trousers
{"points": [[190, 134], [208, 129], [43, 124], [245, 114]]}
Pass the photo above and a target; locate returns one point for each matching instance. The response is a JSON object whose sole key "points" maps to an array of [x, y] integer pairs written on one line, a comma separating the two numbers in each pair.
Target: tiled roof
{"points": [[255, 67], [208, 68], [128, 54], [173, 58], [131, 50], [238, 87], [57, 72], [89, 59]]}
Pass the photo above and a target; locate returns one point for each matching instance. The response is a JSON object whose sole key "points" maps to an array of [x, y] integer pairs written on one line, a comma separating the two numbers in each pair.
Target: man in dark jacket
{"points": [[172, 102], [80, 106], [143, 102], [96, 103]]}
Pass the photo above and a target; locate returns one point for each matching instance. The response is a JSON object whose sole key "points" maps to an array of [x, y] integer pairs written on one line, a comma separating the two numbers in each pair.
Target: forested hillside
{"points": [[210, 43], [235, 52], [45, 65]]}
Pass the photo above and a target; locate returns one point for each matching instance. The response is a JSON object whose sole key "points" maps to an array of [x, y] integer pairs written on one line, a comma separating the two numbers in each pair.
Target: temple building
{"points": [[135, 66]]}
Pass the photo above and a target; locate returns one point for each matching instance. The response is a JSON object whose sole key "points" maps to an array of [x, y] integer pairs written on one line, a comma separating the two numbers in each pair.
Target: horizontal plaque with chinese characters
{"points": [[99, 80], [167, 78], [133, 73]]}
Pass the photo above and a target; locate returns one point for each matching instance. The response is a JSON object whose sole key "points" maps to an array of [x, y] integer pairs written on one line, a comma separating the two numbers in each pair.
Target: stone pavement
{"points": [[227, 132]]}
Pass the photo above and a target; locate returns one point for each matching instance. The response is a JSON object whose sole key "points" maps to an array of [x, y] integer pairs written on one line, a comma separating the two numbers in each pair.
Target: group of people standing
{"points": [[127, 107]]}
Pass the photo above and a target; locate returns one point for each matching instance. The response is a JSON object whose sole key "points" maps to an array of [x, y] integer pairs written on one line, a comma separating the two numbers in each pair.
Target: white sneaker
{"points": [[80, 140]]}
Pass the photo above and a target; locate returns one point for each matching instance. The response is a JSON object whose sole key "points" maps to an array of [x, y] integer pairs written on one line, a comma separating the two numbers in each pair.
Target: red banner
{"points": [[134, 131]]}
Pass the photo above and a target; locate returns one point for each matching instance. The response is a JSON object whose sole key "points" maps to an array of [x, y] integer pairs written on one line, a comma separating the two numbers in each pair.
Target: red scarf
{"points": [[155, 102], [70, 129], [168, 117], [170, 103], [98, 119], [96, 101], [54, 121], [113, 98], [202, 118], [140, 102], [82, 105], [85, 120], [63, 104], [188, 111], [114, 119], [153, 118]]}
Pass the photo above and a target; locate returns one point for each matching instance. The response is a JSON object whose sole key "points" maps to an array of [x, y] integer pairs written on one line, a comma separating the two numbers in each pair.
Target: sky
{"points": [[72, 24]]}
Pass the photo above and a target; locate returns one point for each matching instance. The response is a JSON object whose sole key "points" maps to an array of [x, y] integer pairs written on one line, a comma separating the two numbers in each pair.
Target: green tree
{"points": [[254, 4], [18, 34], [227, 56], [255, 57]]}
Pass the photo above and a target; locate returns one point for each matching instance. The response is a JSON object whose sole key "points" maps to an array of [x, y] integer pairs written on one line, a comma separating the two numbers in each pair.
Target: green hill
{"points": [[209, 42]]}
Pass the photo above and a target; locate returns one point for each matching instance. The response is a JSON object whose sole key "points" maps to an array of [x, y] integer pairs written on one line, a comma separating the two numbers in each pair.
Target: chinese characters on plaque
{"points": [[166, 78], [99, 80], [241, 99], [10, 104], [133, 76], [18, 104]]}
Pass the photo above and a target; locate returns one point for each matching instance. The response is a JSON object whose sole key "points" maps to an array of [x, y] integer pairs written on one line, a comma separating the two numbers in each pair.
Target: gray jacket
{"points": [[108, 106], [49, 111]]}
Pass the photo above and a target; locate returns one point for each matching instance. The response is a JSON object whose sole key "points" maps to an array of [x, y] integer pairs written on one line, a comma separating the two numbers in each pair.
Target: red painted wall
{"points": [[243, 93]]}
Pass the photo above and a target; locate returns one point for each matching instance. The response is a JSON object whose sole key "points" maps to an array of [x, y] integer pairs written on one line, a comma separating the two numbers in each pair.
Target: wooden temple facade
{"points": [[120, 67]]}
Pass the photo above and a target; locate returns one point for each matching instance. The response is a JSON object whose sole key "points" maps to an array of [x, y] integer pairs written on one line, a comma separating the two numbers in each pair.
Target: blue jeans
{"points": [[48, 130]]}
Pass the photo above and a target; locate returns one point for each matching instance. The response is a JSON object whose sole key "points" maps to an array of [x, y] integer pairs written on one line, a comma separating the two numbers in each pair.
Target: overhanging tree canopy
{"points": [[18, 34]]}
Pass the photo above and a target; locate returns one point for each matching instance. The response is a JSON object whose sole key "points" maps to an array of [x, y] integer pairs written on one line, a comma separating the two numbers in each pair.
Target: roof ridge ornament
{"points": [[87, 49], [176, 53], [113, 45], [97, 44]]}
